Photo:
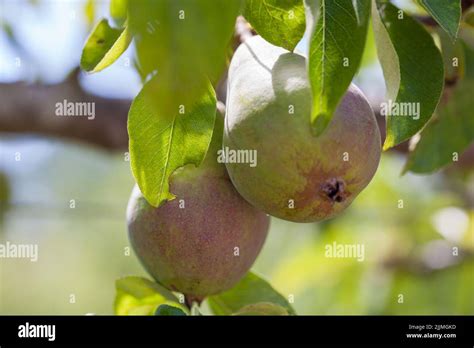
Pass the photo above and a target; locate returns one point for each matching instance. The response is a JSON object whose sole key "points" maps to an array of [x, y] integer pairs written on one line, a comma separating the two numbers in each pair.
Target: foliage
{"points": [[159, 144], [262, 308], [281, 23], [251, 290], [91, 239], [169, 310], [447, 135], [413, 69], [339, 30], [171, 119], [104, 46], [252, 295], [140, 296], [447, 13], [168, 32], [451, 129]]}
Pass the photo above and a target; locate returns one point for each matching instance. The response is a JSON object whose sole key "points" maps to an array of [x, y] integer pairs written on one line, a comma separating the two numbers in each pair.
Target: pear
{"points": [[207, 238], [297, 176]]}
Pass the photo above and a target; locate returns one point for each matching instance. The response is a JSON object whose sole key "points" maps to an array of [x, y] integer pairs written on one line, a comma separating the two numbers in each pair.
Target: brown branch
{"points": [[427, 20], [30, 108], [242, 32], [466, 4]]}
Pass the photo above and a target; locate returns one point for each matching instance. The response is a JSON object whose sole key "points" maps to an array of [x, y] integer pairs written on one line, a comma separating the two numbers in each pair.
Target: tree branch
{"points": [[30, 108]]}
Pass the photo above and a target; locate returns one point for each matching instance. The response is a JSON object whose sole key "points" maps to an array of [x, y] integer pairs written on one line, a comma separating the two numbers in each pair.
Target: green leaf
{"points": [[103, 47], [280, 22], [160, 143], [118, 11], [339, 31], [447, 13], [184, 42], [169, 310], [262, 308], [449, 132], [412, 66], [140, 296], [250, 290], [451, 50], [369, 57]]}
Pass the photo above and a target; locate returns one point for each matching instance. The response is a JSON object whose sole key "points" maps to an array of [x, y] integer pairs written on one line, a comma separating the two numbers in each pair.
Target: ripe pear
{"points": [[298, 176], [207, 238]]}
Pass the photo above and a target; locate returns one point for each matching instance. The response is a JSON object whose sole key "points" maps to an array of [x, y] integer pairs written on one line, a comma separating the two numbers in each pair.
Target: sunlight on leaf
{"points": [[160, 144], [250, 290], [140, 296], [281, 23], [339, 31], [104, 46], [184, 42]]}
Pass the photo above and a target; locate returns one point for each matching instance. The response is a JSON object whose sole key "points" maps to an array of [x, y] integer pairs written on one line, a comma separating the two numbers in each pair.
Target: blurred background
{"points": [[48, 164]]}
